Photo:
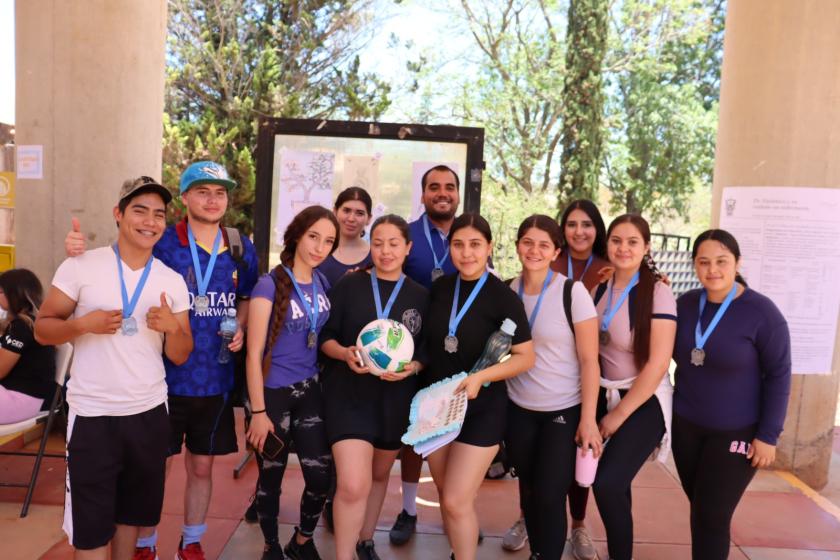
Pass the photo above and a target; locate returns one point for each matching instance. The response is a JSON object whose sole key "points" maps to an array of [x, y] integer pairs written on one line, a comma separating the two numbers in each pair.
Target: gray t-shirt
{"points": [[554, 381]]}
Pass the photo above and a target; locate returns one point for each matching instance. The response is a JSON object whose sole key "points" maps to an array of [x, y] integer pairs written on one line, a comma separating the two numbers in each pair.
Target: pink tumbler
{"points": [[586, 465]]}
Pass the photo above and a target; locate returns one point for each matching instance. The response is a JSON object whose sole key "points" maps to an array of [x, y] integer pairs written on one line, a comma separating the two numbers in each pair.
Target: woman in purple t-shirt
{"points": [[637, 320], [288, 308]]}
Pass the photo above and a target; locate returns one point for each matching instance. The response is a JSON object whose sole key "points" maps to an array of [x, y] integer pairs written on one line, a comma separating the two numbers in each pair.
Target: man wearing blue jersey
{"points": [[220, 270]]}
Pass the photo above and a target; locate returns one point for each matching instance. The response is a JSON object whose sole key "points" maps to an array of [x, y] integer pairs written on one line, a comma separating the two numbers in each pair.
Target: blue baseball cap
{"points": [[202, 172]]}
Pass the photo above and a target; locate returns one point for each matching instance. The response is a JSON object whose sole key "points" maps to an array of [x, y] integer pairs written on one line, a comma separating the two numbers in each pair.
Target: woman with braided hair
{"points": [[637, 318], [289, 306]]}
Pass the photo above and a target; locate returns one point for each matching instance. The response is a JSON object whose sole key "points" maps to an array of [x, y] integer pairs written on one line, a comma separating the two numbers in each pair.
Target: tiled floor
{"points": [[775, 521]]}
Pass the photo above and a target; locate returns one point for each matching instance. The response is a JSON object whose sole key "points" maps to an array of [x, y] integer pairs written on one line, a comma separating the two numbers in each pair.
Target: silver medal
{"points": [[201, 304], [604, 337], [311, 338], [129, 326], [436, 273], [698, 356], [450, 344]]}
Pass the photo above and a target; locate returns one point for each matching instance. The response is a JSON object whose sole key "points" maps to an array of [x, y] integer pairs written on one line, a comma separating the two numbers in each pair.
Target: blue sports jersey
{"points": [[420, 262], [202, 375]]}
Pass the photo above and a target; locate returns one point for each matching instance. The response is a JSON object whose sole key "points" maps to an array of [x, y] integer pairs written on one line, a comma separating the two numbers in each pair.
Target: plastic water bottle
{"points": [[227, 328], [497, 347]]}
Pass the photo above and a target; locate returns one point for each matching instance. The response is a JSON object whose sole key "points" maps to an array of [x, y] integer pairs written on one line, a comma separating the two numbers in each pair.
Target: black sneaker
{"points": [[403, 528], [305, 551], [328, 516], [251, 513], [365, 551], [273, 551]]}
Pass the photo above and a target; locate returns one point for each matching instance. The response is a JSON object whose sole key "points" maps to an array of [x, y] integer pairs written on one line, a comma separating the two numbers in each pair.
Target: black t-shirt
{"points": [[352, 307], [34, 372], [493, 304]]}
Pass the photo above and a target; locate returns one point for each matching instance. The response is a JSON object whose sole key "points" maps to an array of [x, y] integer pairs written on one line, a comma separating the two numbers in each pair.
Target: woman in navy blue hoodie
{"points": [[731, 392]]}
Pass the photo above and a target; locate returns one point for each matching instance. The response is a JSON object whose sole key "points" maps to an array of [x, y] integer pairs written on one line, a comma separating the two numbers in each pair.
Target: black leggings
{"points": [[623, 457], [541, 447], [714, 472], [297, 414]]}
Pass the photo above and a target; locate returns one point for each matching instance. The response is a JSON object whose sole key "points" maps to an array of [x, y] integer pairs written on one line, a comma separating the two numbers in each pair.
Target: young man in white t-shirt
{"points": [[122, 309]]}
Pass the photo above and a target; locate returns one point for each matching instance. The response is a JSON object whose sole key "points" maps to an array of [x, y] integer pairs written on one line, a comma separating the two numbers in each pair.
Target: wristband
{"points": [[257, 412]]}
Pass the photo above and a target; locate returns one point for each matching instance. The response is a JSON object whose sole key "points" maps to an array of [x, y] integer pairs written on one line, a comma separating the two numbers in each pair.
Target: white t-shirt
{"points": [[114, 374], [554, 381]]}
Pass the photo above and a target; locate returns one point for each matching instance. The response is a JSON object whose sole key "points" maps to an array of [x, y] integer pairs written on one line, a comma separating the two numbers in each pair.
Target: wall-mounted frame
{"points": [[308, 161]]}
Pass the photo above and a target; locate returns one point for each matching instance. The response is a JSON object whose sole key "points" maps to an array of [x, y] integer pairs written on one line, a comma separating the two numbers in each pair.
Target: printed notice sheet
{"points": [[789, 252]]}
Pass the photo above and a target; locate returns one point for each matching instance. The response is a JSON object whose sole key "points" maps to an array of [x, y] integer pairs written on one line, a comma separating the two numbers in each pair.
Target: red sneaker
{"points": [[145, 553], [190, 552]]}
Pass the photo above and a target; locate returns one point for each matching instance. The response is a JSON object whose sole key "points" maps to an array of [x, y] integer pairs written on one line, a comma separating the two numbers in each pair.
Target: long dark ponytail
{"points": [[649, 275], [282, 283]]}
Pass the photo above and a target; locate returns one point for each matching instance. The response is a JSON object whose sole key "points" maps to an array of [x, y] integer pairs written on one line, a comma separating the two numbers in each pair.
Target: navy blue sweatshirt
{"points": [[745, 378]]}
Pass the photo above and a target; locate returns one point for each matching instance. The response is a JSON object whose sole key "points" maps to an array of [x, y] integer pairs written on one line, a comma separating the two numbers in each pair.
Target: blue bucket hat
{"points": [[205, 172]]}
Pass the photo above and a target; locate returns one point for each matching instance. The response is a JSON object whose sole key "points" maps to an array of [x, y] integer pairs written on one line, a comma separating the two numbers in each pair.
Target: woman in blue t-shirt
{"points": [[731, 392], [353, 207], [288, 308], [27, 369], [366, 414]]}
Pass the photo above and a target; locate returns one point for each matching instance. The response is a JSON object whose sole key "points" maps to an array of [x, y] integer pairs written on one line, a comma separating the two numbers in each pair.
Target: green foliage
{"points": [[231, 61]]}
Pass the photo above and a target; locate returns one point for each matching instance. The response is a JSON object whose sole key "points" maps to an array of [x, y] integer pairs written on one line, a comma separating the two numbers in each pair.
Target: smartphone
{"points": [[272, 446]]}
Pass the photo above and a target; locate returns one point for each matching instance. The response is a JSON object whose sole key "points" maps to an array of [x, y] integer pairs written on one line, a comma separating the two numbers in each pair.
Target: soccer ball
{"points": [[385, 346]]}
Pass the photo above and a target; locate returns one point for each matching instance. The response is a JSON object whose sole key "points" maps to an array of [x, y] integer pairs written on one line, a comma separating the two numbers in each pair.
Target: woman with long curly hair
{"points": [[289, 306]]}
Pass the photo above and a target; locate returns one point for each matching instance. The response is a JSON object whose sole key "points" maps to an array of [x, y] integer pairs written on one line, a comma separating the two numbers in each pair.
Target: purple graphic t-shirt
{"points": [[291, 360]]}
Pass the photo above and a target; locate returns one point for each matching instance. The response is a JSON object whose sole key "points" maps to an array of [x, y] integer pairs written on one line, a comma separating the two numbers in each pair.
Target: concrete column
{"points": [[780, 126], [89, 89]]}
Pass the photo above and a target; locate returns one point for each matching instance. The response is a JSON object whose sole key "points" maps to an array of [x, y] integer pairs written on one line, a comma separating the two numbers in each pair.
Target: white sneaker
{"points": [[582, 546], [516, 537]]}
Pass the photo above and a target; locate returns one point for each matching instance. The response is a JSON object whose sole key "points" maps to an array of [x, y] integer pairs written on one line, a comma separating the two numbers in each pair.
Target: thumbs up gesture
{"points": [[74, 243], [161, 319]]}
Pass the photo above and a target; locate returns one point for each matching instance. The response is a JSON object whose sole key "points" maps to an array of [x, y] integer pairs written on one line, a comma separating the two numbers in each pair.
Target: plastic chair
{"points": [[63, 354]]}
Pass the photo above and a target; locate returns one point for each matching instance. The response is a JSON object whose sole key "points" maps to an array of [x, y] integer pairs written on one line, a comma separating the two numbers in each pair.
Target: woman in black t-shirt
{"points": [[366, 415], [455, 338], [27, 369]]}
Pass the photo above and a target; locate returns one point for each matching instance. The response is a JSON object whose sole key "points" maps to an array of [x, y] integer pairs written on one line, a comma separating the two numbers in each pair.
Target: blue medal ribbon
{"points": [[455, 316], [311, 310], [203, 278], [546, 282], [380, 314], [609, 310], [426, 230], [571, 270], [701, 337], [128, 305]]}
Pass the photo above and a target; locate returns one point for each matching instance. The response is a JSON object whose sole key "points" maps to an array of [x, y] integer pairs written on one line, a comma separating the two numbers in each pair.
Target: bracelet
{"points": [[257, 412]]}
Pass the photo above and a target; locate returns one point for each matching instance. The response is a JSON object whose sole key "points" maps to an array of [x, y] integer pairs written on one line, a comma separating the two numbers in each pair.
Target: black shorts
{"points": [[367, 408], [486, 419], [206, 423], [116, 466]]}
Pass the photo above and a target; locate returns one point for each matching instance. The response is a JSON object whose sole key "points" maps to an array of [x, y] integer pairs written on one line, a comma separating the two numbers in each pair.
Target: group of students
{"points": [[596, 329]]}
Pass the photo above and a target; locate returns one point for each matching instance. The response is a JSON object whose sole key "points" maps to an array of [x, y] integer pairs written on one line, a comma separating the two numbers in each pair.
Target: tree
{"points": [[231, 61], [583, 100], [663, 70]]}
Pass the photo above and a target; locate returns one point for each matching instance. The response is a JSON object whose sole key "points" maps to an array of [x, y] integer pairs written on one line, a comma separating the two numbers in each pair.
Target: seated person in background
{"points": [[27, 369]]}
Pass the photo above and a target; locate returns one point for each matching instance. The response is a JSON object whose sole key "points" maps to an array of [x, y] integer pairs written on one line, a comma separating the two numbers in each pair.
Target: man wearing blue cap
{"points": [[220, 270]]}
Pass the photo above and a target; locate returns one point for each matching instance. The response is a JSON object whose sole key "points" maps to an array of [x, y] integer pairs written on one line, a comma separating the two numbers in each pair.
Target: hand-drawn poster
{"points": [[788, 241], [306, 179], [361, 171], [418, 169]]}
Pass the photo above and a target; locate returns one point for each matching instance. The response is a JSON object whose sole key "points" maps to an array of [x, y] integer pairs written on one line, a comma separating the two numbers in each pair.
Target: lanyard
{"points": [[203, 278], [311, 310], [456, 316], [129, 305], [701, 337], [546, 282], [610, 311], [438, 263], [380, 314], [571, 271]]}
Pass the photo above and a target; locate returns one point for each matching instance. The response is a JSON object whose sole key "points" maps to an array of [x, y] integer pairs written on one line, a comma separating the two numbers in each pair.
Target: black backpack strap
{"points": [[235, 245], [567, 302], [599, 292]]}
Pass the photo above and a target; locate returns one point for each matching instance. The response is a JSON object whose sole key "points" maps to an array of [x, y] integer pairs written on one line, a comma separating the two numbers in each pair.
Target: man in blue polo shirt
{"points": [[220, 273], [427, 261]]}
